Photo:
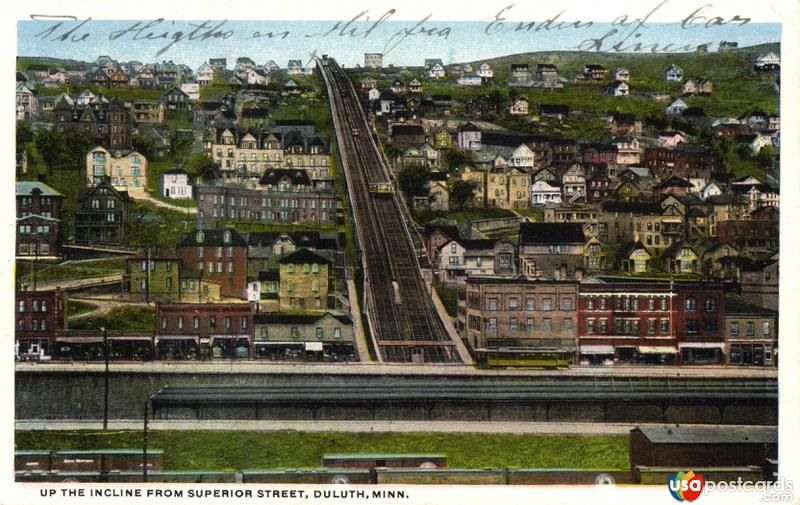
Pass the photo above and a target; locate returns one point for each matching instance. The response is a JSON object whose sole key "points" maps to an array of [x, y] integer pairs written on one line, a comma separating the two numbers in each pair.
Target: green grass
{"points": [[76, 308], [124, 318], [461, 216], [149, 225], [229, 450], [179, 120], [449, 298], [69, 269]]}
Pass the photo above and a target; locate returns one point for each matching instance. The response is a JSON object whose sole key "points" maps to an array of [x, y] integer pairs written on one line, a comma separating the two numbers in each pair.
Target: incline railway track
{"points": [[404, 323]]}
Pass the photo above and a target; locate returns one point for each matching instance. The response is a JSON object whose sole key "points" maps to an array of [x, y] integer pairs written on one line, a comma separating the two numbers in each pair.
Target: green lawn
{"points": [[148, 225], [229, 450], [124, 318], [75, 308], [461, 216], [68, 269]]}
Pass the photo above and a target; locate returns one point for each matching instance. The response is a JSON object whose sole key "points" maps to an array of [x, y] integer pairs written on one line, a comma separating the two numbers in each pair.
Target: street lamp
{"points": [[105, 378]]}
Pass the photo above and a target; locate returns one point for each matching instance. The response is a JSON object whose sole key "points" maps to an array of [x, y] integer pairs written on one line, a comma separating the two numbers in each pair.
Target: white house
{"points": [[294, 67], [436, 71], [676, 108], [673, 73], [373, 94], [176, 184], [543, 192], [769, 61], [85, 98], [713, 188], [469, 80], [192, 90], [205, 75], [622, 74], [617, 88], [485, 71], [671, 138], [257, 77], [523, 157], [518, 107]]}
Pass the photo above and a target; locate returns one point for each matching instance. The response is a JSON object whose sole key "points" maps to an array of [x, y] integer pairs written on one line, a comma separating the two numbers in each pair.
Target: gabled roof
{"points": [[630, 247], [25, 188], [551, 233], [273, 176], [298, 319], [303, 256]]}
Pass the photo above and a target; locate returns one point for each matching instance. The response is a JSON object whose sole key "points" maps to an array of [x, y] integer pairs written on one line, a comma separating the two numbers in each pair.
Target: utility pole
{"points": [[105, 379], [144, 445]]}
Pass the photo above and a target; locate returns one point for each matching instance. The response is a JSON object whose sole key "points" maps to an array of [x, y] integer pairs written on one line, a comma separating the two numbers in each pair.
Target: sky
{"points": [[402, 42]]}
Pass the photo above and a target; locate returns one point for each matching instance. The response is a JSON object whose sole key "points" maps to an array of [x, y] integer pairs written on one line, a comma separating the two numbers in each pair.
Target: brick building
{"points": [[203, 330], [108, 122], [38, 220], [551, 250], [219, 255], [39, 317]]}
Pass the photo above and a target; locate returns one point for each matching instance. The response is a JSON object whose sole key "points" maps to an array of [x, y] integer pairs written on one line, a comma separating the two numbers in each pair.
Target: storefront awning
{"points": [[130, 337], [80, 340], [264, 342], [233, 336], [656, 349], [597, 349], [177, 337], [701, 345], [313, 346]]}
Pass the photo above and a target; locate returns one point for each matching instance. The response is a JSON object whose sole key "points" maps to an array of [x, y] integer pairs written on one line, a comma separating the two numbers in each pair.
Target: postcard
{"points": [[401, 252]]}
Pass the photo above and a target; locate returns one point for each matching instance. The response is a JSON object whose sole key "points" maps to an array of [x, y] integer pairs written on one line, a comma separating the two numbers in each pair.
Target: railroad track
{"points": [[405, 325]]}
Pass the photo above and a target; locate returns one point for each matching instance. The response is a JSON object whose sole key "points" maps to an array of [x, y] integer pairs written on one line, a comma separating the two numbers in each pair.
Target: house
{"points": [[373, 60], [673, 73], [442, 139], [160, 140], [681, 258], [460, 259], [551, 250], [520, 75], [414, 86], [670, 139], [38, 220], [397, 86], [406, 135], [27, 109], [468, 137], [704, 87], [694, 114], [438, 193], [38, 317], [304, 282], [149, 111], [598, 185], [175, 99], [554, 111], [126, 169], [543, 192], [153, 275], [629, 150], [616, 88], [467, 80], [368, 83], [203, 330], [759, 282], [676, 108], [100, 215], [436, 71], [594, 72], [689, 87], [673, 185], [622, 124], [205, 75], [294, 67], [546, 72], [635, 258], [176, 184], [107, 122], [374, 94], [767, 63], [518, 107], [485, 71], [435, 234], [573, 183], [622, 74]]}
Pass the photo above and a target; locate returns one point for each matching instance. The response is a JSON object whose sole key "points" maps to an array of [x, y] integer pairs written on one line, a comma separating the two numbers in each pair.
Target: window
{"points": [[547, 304], [196, 323], [711, 304], [243, 323], [163, 323], [590, 303], [492, 325], [710, 325], [513, 303], [295, 332], [750, 328], [320, 333], [529, 305], [212, 322], [691, 303], [602, 304], [665, 326], [22, 305], [337, 333], [453, 261], [735, 329], [547, 324], [529, 324], [603, 326], [493, 304], [227, 322], [180, 322], [663, 304], [566, 304], [590, 326], [651, 304], [513, 324], [765, 328], [691, 326], [453, 247], [567, 324]]}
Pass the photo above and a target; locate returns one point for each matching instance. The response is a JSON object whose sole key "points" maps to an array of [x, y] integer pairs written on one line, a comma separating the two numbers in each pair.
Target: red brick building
{"points": [[600, 153], [684, 162], [39, 317], [217, 255], [658, 322], [38, 220], [203, 330]]}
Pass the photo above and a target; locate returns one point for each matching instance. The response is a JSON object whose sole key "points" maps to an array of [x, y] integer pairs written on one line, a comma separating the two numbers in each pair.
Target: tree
{"points": [[143, 144], [461, 192], [77, 144], [412, 180], [52, 147], [201, 165], [454, 158], [496, 99], [24, 135], [656, 120]]}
